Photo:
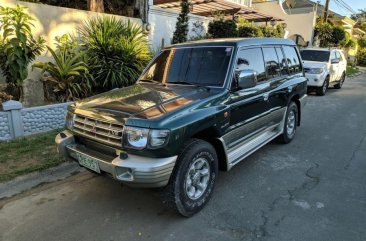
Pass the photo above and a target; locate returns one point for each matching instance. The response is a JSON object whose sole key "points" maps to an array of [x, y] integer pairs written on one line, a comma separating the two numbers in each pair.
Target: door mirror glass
{"points": [[335, 61], [247, 79]]}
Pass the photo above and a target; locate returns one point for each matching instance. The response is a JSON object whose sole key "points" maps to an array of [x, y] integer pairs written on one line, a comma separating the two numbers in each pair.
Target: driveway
{"points": [[311, 189]]}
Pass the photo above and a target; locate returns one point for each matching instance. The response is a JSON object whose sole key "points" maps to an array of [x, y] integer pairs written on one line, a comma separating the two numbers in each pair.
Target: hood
{"points": [[144, 101], [313, 64]]}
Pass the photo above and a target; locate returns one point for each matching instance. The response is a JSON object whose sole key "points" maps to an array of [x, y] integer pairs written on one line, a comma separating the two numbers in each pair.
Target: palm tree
{"points": [[96, 5]]}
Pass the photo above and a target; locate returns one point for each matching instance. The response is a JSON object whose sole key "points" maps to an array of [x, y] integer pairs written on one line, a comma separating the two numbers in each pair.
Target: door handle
{"points": [[265, 97]]}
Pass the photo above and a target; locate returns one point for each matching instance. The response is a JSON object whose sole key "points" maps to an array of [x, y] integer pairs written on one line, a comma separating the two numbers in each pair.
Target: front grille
{"points": [[106, 132]]}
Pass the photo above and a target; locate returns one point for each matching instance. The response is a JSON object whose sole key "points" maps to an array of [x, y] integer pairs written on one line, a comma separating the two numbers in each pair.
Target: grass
{"points": [[351, 70], [28, 154]]}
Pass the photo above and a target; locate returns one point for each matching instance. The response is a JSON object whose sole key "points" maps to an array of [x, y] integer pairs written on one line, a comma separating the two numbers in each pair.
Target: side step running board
{"points": [[242, 150]]}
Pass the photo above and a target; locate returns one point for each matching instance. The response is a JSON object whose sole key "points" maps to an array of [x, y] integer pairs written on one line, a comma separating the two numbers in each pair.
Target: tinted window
{"points": [[315, 55], [203, 66], [272, 63], [252, 59], [293, 61], [282, 61]]}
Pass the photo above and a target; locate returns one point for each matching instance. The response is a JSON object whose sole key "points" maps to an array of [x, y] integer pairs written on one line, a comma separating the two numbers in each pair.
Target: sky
{"points": [[354, 4]]}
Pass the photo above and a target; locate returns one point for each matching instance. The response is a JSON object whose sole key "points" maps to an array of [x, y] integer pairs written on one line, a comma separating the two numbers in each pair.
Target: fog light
{"points": [[124, 174], [315, 79]]}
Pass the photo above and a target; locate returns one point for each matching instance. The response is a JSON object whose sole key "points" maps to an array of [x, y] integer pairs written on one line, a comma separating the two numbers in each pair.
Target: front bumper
{"points": [[315, 80], [133, 170]]}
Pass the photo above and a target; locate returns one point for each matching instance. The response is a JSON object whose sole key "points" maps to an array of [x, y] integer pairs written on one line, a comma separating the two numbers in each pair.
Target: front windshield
{"points": [[192, 66], [315, 55]]}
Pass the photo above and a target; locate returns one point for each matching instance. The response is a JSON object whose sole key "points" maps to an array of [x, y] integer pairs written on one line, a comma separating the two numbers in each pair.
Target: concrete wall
{"points": [[302, 24], [31, 120], [43, 118], [5, 132]]}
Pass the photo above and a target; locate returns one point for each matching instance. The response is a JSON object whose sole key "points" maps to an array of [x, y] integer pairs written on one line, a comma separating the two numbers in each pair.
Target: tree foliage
{"points": [[68, 74], [181, 27], [362, 42], [116, 51], [324, 32], [220, 28], [18, 47]]}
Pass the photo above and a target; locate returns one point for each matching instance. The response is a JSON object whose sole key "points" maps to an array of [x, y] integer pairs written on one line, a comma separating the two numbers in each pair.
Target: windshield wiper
{"points": [[151, 81], [188, 83], [181, 82]]}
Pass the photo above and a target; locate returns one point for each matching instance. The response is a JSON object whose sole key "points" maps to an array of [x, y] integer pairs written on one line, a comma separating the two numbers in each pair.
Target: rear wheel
{"points": [[323, 89], [341, 81], [193, 178], [291, 120]]}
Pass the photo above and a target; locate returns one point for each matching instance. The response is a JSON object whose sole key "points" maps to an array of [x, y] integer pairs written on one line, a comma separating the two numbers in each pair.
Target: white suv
{"points": [[324, 68]]}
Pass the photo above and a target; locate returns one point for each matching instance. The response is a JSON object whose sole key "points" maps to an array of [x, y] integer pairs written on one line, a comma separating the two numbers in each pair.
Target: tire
{"points": [[341, 81], [323, 89], [197, 166], [290, 125]]}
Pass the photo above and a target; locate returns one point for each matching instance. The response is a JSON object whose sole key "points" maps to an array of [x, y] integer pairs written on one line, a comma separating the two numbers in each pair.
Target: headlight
{"points": [[139, 138], [316, 71], [136, 137], [69, 124]]}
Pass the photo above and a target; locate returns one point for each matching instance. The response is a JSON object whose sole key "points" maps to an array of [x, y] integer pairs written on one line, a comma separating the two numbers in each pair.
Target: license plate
{"points": [[88, 162]]}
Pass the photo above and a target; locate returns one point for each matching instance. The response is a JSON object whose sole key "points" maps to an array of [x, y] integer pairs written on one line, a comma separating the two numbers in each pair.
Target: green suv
{"points": [[198, 107]]}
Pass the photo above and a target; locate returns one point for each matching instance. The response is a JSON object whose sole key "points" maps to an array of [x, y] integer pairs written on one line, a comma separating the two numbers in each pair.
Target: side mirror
{"points": [[334, 61], [247, 79]]}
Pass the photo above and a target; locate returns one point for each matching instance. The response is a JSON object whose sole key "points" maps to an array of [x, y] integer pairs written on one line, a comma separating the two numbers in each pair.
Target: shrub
{"points": [[324, 32], [68, 76], [18, 48], [362, 42], [361, 57], [181, 27], [198, 31], [4, 97], [352, 43], [250, 31], [220, 28], [338, 36], [116, 51]]}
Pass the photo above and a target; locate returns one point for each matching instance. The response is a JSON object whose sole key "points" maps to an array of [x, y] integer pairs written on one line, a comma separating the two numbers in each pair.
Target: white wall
{"points": [[51, 21], [162, 22], [302, 24]]}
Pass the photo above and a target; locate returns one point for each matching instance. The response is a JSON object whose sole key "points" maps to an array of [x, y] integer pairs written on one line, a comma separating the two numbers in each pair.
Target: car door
{"points": [[249, 106], [276, 68], [286, 84], [334, 66], [342, 64]]}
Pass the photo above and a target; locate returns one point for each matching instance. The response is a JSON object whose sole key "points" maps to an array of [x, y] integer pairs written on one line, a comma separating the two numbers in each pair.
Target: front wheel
{"points": [[323, 89], [193, 179], [291, 120]]}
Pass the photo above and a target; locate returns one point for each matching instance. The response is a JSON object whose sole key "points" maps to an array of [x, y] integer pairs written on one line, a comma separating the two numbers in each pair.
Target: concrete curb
{"points": [[29, 181]]}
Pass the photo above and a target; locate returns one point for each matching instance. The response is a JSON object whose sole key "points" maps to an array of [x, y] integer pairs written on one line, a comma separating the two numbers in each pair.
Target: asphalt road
{"points": [[311, 189]]}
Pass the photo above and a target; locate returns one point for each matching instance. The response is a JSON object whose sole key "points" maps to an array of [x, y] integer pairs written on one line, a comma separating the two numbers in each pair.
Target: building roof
{"points": [[209, 7]]}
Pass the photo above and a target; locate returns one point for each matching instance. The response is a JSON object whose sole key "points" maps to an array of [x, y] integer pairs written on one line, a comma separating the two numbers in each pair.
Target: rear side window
{"points": [[339, 56], [271, 61], [252, 59], [293, 60], [282, 61]]}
